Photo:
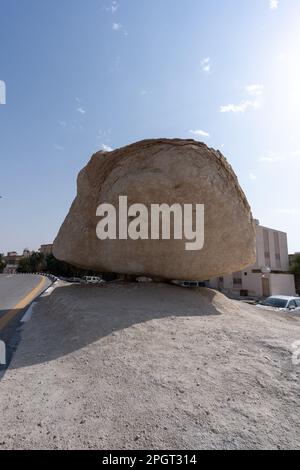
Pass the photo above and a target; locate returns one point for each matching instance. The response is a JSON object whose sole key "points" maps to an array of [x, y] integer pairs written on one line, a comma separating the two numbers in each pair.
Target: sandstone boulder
{"points": [[169, 171]]}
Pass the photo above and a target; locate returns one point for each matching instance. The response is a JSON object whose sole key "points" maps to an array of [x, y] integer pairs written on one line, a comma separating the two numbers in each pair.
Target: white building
{"points": [[269, 275], [12, 260]]}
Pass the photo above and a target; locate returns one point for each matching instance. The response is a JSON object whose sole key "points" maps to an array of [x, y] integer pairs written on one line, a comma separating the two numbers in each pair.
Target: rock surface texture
{"points": [[155, 172]]}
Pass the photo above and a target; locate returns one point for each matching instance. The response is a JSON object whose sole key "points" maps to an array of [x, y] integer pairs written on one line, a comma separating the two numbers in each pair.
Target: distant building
{"points": [[297, 276], [269, 275], [46, 249], [12, 260]]}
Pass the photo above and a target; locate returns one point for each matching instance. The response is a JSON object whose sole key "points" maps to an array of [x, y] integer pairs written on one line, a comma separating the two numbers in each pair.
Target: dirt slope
{"points": [[151, 366]]}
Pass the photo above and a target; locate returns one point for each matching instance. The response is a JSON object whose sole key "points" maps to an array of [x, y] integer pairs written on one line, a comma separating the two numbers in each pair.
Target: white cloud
{"points": [[144, 92], [199, 133], [81, 110], [206, 64], [255, 89], [273, 4], [252, 176], [117, 26], [62, 123], [103, 134], [113, 8], [58, 147], [106, 148], [240, 108], [271, 158], [2, 92]]}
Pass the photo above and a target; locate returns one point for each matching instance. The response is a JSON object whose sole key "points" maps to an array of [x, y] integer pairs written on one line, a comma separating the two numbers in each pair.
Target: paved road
{"points": [[13, 288], [16, 293]]}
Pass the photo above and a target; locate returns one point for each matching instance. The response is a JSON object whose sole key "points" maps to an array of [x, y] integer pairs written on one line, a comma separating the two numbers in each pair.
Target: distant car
{"points": [[93, 280], [190, 283], [75, 279], [281, 302]]}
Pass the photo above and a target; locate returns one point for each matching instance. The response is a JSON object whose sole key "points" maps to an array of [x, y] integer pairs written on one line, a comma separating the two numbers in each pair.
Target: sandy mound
{"points": [[151, 366]]}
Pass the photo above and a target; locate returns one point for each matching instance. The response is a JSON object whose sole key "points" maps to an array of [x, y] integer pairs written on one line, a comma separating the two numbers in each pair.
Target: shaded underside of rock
{"points": [[157, 171]]}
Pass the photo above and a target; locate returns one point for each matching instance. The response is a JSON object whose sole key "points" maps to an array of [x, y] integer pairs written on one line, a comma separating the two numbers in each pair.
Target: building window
{"points": [[266, 247], [277, 250], [237, 280]]}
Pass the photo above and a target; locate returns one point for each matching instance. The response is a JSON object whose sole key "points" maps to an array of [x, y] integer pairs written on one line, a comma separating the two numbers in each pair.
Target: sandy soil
{"points": [[151, 366]]}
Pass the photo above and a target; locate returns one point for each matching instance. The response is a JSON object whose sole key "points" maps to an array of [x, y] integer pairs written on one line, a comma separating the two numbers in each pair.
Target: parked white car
{"points": [[281, 302], [93, 280]]}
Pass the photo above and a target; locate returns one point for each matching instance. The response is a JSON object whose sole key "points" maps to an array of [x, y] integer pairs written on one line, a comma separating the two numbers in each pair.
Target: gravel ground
{"points": [[151, 366]]}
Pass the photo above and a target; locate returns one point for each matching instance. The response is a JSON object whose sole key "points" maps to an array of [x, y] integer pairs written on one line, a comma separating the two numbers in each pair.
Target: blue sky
{"points": [[85, 74]]}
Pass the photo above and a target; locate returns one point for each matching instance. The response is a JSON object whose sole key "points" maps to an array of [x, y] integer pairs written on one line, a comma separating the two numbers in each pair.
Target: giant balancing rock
{"points": [[160, 171]]}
